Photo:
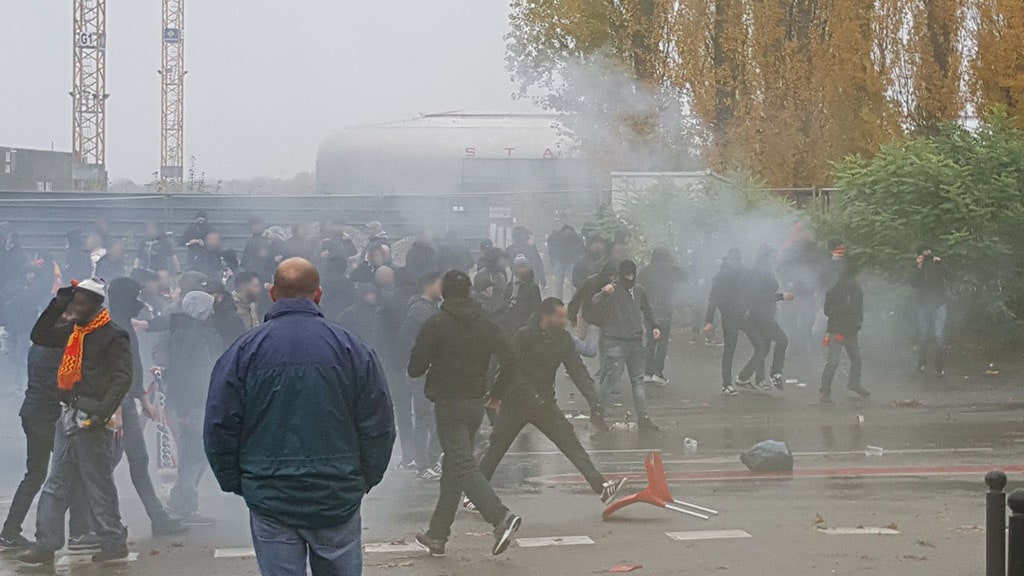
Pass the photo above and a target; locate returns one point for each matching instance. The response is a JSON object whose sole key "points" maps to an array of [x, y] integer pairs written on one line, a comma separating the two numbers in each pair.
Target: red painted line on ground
{"points": [[851, 472]]}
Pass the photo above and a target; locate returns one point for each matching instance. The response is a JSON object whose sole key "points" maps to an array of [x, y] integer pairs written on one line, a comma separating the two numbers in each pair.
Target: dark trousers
{"points": [[192, 464], [426, 446], [835, 351], [401, 397], [657, 350], [763, 332], [39, 442], [458, 422], [82, 460], [138, 462], [524, 407]]}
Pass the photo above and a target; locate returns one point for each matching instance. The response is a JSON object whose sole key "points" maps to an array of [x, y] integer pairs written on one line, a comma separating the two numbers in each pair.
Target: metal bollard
{"points": [[1015, 556], [995, 524]]}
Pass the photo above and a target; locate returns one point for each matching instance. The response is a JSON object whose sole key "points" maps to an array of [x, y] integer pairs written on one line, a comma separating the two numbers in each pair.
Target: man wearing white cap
{"points": [[95, 374]]}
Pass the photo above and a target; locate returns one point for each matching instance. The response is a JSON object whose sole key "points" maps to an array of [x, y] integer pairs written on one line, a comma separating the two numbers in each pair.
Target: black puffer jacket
{"points": [[106, 362], [454, 349]]}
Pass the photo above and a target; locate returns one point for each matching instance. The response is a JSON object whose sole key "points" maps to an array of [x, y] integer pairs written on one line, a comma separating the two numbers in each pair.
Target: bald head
{"points": [[296, 278]]}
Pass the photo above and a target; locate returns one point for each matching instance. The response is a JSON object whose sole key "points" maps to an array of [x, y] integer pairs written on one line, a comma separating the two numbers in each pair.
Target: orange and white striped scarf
{"points": [[70, 371]]}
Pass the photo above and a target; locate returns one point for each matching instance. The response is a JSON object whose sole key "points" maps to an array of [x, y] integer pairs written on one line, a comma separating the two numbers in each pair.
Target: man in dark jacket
{"points": [[94, 376], [844, 307], [524, 243], [339, 291], [193, 347], [453, 350], [414, 414], [156, 250], [204, 256], [565, 246], [362, 318], [726, 298], [929, 283], [490, 283], [541, 348], [300, 424], [39, 413], [628, 317], [661, 278], [257, 247], [590, 263], [124, 304], [197, 230], [761, 294], [523, 297]]}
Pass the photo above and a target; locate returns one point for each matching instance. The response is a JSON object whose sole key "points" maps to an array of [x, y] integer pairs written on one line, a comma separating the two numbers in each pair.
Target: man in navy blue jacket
{"points": [[300, 424]]}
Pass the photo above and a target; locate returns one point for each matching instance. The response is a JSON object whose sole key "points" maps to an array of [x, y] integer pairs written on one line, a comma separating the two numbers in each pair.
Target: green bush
{"points": [[961, 191]]}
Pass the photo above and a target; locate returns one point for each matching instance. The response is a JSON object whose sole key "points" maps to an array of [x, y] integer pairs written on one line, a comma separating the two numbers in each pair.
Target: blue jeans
{"points": [[285, 551], [81, 461], [624, 356], [931, 327]]}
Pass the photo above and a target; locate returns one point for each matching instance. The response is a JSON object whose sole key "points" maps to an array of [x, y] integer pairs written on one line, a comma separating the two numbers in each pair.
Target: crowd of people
{"points": [[442, 341]]}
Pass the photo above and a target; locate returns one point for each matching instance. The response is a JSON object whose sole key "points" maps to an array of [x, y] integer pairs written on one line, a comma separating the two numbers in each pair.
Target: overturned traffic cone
{"points": [[658, 494]]}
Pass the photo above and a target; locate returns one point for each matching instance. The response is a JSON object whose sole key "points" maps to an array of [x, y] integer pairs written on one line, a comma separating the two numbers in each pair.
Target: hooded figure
{"points": [[193, 348], [523, 297], [491, 281], [523, 243]]}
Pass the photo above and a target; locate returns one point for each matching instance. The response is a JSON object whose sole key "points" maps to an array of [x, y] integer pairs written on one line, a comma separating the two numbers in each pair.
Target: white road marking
{"points": [[234, 553], [386, 547], [553, 541], [858, 531], [707, 535], [556, 452], [87, 559]]}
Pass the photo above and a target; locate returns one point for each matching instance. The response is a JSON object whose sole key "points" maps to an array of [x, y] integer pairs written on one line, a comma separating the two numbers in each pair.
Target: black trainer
{"points": [[89, 541], [504, 532], [36, 557], [646, 425], [110, 555], [435, 546], [168, 527], [12, 543], [610, 490]]}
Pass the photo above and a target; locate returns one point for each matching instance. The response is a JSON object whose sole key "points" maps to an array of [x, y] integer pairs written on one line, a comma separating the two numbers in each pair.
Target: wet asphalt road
{"points": [[937, 438]]}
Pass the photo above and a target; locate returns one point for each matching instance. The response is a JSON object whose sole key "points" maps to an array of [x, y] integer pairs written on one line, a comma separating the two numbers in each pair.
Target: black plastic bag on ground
{"points": [[768, 456]]}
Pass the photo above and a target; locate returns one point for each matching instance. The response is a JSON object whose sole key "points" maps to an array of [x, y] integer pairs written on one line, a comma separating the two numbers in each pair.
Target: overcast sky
{"points": [[268, 79]]}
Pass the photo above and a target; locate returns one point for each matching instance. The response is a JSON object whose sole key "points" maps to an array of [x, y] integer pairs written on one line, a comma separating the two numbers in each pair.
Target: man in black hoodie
{"points": [[761, 294], [844, 307], [661, 278], [628, 316], [453, 350], [524, 243], [727, 299], [95, 375], [414, 414], [123, 301], [542, 347], [565, 246]]}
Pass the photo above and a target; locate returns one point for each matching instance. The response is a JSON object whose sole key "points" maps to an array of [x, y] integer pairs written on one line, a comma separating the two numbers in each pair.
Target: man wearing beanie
{"points": [[94, 375], [628, 316], [453, 349]]}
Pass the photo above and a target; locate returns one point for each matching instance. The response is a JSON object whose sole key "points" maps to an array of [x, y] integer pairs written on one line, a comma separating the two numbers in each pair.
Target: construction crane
{"points": [[172, 102], [89, 96]]}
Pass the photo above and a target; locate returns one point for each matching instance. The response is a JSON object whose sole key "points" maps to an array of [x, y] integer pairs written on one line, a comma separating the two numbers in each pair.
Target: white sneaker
{"points": [[648, 379], [659, 379], [611, 489]]}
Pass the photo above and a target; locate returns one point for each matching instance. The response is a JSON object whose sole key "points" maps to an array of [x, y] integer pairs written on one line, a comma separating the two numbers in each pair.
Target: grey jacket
{"points": [[628, 312]]}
